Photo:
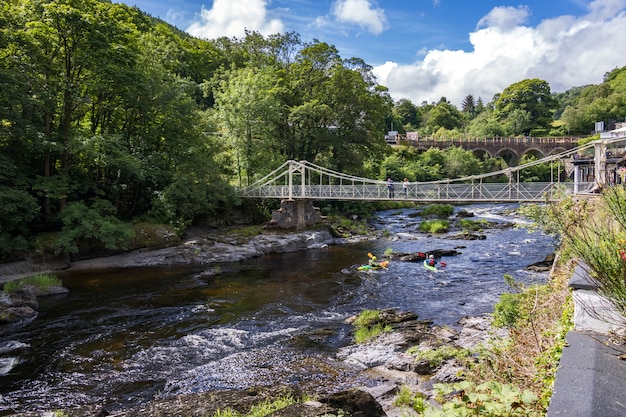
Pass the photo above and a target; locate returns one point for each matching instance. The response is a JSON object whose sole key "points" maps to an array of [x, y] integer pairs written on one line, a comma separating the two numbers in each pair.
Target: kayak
{"points": [[379, 265], [429, 267]]}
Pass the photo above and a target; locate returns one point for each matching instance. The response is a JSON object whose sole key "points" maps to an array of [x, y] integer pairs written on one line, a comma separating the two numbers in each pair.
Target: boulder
{"points": [[542, 266]]}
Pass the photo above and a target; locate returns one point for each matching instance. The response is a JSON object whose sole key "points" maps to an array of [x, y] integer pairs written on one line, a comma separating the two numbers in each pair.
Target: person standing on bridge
{"points": [[405, 187], [390, 187]]}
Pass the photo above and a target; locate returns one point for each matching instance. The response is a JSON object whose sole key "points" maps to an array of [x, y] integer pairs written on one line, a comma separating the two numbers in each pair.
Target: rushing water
{"points": [[123, 337]]}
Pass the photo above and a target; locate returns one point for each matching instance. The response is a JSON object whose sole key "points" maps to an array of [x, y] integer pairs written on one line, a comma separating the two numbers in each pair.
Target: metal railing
{"points": [[305, 180]]}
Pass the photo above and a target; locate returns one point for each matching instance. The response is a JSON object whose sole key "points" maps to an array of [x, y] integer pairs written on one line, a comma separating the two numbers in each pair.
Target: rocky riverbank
{"points": [[384, 360]]}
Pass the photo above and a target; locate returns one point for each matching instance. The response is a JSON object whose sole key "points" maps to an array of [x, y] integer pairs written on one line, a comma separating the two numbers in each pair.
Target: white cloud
{"points": [[565, 51], [232, 17], [360, 12], [505, 17]]}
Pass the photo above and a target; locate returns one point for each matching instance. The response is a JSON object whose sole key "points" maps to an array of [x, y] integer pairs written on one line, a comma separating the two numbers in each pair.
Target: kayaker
{"points": [[431, 260]]}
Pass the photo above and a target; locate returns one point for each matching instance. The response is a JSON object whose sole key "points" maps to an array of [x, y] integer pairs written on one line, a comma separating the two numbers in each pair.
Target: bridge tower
{"points": [[299, 212]]}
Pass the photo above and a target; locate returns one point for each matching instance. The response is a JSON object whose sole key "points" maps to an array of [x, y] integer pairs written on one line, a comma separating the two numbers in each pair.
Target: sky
{"points": [[422, 50]]}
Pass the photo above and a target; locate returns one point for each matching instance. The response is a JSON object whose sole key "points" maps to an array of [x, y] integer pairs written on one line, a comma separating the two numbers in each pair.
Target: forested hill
{"points": [[110, 116]]}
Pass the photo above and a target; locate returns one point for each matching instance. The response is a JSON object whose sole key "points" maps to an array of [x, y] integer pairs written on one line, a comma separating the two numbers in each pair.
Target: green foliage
{"points": [[437, 356], [260, 410], [488, 399], [91, 227], [435, 226], [17, 210], [593, 103], [42, 281], [473, 225], [507, 312], [531, 96], [597, 236], [439, 210], [368, 325], [406, 398], [535, 172]]}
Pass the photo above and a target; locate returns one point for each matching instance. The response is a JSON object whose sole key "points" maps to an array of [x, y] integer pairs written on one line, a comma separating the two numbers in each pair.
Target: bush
{"points": [[596, 235], [85, 228], [488, 399], [506, 312]]}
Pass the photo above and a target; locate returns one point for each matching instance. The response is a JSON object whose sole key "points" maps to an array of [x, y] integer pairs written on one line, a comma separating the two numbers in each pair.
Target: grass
{"points": [[439, 210], [436, 356], [260, 410], [42, 281], [473, 225], [407, 398], [434, 226], [368, 325]]}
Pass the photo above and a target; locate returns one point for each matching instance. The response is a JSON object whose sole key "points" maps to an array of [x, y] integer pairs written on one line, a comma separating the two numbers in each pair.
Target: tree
{"points": [[407, 113], [247, 110], [460, 163], [443, 115], [518, 122], [530, 95], [468, 106]]}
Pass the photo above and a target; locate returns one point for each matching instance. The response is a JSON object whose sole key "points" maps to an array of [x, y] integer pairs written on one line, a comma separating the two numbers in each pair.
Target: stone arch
{"points": [[481, 153], [509, 156], [537, 153]]}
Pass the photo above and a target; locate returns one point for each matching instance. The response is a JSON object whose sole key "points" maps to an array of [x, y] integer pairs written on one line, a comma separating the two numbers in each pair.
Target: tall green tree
{"points": [[248, 110], [530, 95], [408, 114], [468, 106]]}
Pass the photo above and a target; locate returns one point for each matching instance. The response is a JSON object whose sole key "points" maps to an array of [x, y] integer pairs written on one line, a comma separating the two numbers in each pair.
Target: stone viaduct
{"points": [[511, 149]]}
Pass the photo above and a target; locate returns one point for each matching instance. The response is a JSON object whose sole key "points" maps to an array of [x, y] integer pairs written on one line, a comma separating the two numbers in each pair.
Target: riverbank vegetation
{"points": [[510, 376], [41, 281], [152, 125], [367, 325], [513, 376]]}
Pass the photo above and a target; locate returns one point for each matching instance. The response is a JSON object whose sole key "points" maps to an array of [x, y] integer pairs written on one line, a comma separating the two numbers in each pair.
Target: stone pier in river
{"points": [[296, 213]]}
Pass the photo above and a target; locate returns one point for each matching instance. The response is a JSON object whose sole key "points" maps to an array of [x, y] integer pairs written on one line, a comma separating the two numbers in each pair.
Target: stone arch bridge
{"points": [[511, 149]]}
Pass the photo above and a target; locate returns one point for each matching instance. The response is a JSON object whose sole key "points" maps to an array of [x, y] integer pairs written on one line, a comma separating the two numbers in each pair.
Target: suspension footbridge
{"points": [[299, 181]]}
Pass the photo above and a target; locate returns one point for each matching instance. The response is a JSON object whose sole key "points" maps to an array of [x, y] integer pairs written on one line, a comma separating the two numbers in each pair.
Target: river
{"points": [[123, 337]]}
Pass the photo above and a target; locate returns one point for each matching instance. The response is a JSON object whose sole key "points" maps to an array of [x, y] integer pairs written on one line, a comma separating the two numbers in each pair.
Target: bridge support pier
{"points": [[296, 213]]}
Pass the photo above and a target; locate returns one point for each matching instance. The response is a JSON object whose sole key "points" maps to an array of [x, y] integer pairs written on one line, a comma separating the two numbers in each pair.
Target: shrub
{"points": [[87, 227], [263, 409], [506, 312], [597, 236]]}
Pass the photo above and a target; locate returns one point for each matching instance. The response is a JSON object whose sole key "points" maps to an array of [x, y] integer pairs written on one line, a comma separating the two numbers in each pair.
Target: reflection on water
{"points": [[123, 337]]}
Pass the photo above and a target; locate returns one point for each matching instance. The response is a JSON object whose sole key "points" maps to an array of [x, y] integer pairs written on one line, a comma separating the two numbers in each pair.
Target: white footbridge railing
{"points": [[305, 180]]}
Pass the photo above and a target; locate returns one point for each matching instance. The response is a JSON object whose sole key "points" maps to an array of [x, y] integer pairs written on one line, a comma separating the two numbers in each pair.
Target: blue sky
{"points": [[425, 49]]}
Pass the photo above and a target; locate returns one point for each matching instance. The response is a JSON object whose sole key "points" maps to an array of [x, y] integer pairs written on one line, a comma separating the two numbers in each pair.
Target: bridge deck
{"points": [[421, 192]]}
